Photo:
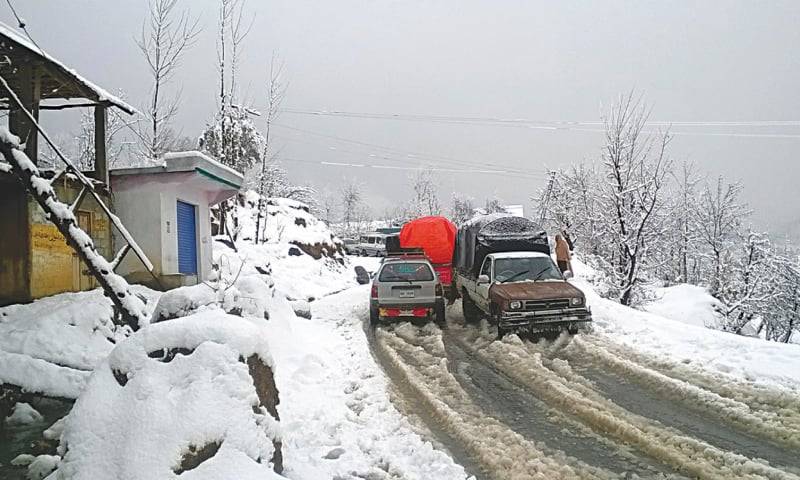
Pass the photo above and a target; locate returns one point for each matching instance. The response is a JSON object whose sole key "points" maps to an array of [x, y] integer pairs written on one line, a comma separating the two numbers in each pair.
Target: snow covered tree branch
{"points": [[165, 37], [129, 307]]}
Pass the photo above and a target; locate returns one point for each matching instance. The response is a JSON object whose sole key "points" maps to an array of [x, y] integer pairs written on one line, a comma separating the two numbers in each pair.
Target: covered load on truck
{"points": [[504, 273], [496, 233], [436, 237]]}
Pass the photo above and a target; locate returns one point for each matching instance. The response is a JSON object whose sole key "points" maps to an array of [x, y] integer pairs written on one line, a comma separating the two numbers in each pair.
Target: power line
{"points": [[398, 167], [21, 24], [556, 125], [409, 154]]}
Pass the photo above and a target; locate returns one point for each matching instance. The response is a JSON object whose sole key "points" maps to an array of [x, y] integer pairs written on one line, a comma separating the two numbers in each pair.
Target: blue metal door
{"points": [[187, 239]]}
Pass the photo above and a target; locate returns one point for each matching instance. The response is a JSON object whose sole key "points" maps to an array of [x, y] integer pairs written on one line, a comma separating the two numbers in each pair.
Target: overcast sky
{"points": [[547, 61]]}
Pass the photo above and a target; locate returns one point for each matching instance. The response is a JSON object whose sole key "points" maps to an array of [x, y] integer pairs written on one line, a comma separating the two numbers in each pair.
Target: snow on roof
{"points": [[519, 254], [189, 161], [102, 95]]}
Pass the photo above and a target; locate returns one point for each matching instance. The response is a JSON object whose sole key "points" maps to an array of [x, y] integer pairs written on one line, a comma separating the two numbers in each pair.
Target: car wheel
{"points": [[574, 330], [502, 332], [439, 315], [469, 308], [364, 253], [374, 318]]}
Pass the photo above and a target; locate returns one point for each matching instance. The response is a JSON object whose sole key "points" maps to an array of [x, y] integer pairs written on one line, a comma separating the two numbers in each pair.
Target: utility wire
{"points": [[21, 24], [478, 167], [414, 155], [397, 167], [556, 125]]}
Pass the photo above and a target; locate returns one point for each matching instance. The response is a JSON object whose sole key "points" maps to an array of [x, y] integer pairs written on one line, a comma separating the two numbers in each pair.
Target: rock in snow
{"points": [[179, 396], [23, 414]]}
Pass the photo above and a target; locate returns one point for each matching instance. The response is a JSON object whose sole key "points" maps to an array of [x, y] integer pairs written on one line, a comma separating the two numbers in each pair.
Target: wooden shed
{"points": [[35, 260]]}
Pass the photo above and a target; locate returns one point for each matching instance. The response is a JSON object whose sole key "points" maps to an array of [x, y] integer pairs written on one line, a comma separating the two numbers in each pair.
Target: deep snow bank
{"points": [[690, 304], [305, 258], [744, 358], [177, 396], [337, 416], [51, 345]]}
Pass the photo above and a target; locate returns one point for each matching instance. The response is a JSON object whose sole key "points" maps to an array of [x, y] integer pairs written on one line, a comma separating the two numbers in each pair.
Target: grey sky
{"points": [[694, 61]]}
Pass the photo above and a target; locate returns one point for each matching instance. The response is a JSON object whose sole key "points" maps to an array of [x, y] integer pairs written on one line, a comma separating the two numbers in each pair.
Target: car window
{"points": [[405, 272], [521, 269], [486, 269]]}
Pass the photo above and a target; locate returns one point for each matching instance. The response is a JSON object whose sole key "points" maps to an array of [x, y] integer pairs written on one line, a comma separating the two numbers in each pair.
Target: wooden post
{"points": [[100, 158], [18, 122], [129, 307]]}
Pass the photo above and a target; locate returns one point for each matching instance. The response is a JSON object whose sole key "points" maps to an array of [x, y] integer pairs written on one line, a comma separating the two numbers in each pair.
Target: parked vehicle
{"points": [[350, 246], [406, 287], [505, 273], [371, 245], [436, 237]]}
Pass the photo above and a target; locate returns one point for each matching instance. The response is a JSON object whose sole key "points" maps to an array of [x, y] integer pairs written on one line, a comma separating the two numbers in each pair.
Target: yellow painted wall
{"points": [[52, 264], [54, 268]]}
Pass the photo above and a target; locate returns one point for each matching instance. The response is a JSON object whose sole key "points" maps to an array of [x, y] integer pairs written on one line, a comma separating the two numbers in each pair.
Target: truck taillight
{"points": [[439, 291], [374, 292]]}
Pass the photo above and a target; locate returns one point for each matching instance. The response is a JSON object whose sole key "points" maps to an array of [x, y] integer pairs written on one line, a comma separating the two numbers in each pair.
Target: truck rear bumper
{"points": [[543, 321]]}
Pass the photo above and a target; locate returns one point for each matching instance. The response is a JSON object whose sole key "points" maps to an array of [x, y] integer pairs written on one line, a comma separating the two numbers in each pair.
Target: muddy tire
{"points": [[374, 319], [471, 312], [502, 332], [439, 315]]}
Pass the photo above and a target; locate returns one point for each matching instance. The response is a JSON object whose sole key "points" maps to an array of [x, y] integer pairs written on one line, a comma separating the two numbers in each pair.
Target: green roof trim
{"points": [[217, 178]]}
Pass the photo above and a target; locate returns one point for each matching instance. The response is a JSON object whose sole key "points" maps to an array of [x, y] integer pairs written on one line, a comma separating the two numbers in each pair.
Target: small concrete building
{"points": [[166, 209]]}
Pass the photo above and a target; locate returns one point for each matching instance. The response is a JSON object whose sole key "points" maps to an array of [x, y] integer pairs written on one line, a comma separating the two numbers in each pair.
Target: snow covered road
{"points": [[586, 407]]}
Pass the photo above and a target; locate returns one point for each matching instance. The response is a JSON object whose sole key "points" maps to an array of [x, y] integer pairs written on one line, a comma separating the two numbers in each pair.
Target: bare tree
{"points": [[166, 35], [744, 290], [635, 166], [718, 217], [351, 196], [684, 214], [276, 91], [425, 201], [326, 207], [784, 320], [462, 208]]}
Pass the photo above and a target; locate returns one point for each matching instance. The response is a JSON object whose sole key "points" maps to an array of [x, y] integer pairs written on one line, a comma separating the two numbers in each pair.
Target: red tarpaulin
{"points": [[436, 236]]}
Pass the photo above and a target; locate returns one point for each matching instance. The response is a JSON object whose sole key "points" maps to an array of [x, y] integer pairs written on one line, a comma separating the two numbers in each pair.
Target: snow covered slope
{"points": [[305, 258], [677, 341], [51, 346], [690, 304]]}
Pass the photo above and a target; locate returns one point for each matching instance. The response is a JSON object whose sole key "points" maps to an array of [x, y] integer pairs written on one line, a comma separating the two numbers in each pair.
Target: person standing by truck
{"points": [[563, 258]]}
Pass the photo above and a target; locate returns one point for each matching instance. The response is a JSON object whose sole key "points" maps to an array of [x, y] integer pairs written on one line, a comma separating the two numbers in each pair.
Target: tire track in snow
{"points": [[761, 423], [560, 387], [535, 420], [503, 453], [784, 404]]}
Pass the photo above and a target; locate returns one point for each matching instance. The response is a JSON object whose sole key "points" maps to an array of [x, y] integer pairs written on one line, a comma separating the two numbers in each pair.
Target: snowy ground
{"points": [[335, 405], [343, 418], [678, 337], [51, 346], [689, 304]]}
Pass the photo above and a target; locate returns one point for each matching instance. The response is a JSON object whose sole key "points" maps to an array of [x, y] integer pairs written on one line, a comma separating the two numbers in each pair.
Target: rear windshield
{"points": [[405, 272]]}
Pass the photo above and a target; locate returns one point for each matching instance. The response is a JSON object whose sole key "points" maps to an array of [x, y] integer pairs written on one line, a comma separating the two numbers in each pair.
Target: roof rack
{"points": [[407, 253]]}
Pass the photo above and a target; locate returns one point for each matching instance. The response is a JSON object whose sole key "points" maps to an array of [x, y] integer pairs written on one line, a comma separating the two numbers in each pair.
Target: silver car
{"points": [[406, 288], [372, 245]]}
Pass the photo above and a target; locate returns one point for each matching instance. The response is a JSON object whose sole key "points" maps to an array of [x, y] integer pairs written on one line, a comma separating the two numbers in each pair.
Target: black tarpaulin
{"points": [[494, 234]]}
